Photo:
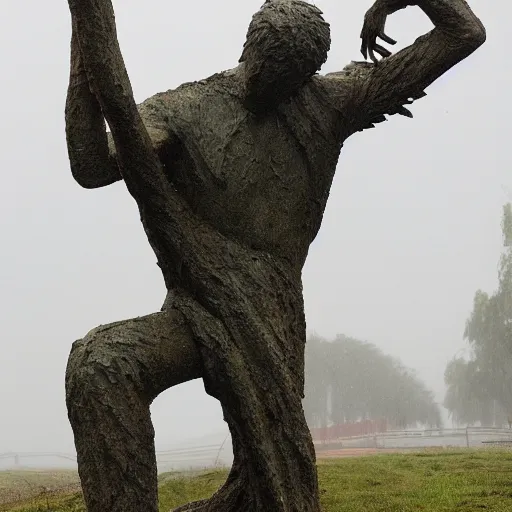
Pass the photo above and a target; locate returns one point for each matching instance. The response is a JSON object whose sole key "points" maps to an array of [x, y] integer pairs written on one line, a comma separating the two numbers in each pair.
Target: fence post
{"points": [[220, 450], [467, 437]]}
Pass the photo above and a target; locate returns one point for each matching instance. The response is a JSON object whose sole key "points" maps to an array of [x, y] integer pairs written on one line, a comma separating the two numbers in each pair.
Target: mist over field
{"points": [[411, 232]]}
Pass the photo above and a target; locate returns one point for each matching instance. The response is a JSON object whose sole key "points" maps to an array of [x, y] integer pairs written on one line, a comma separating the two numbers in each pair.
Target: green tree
{"points": [[467, 398], [349, 380], [316, 400], [479, 389]]}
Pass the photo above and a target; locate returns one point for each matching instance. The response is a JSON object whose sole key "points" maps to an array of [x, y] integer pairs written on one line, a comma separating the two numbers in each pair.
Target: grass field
{"points": [[430, 481], [18, 486]]}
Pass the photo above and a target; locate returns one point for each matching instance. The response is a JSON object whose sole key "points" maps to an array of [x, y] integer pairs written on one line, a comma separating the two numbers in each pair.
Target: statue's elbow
{"points": [[475, 36], [480, 36], [82, 180], [90, 180]]}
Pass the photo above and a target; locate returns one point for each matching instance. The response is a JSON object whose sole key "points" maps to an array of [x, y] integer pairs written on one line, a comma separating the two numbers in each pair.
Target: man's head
{"points": [[287, 43]]}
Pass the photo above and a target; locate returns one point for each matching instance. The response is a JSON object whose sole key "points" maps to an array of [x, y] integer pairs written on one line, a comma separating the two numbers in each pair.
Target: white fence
{"points": [[470, 437], [214, 455]]}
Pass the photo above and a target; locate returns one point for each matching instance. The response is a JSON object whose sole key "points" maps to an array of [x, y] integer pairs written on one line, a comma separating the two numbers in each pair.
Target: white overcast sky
{"points": [[411, 231]]}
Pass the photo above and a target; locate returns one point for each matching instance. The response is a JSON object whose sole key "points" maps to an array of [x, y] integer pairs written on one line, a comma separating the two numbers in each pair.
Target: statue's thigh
{"points": [[154, 352]]}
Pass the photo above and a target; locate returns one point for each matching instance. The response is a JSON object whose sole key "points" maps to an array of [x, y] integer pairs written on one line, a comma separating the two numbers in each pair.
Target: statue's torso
{"points": [[264, 180]]}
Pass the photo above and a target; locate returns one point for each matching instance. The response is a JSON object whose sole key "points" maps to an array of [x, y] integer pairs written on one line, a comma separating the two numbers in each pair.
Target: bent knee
{"points": [[143, 356], [94, 363]]}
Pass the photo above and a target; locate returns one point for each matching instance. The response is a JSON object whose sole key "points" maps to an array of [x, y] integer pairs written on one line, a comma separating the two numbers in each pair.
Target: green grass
{"points": [[431, 481], [21, 485], [428, 481]]}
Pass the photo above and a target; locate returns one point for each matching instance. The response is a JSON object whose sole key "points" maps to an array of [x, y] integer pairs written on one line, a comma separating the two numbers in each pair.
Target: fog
{"points": [[411, 231]]}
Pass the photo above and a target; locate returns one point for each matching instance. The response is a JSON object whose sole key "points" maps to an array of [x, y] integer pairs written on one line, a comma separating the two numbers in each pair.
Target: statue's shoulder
{"points": [[223, 83], [339, 86], [350, 74], [194, 108]]}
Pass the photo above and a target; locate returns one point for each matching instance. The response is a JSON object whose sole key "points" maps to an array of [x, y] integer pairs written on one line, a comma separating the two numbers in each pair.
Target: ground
{"points": [[427, 481], [18, 486]]}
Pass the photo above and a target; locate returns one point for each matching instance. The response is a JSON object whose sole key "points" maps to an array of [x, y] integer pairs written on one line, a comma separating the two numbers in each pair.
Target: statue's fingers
{"points": [[364, 44], [372, 54], [365, 41], [383, 52], [386, 38], [373, 48], [364, 51]]}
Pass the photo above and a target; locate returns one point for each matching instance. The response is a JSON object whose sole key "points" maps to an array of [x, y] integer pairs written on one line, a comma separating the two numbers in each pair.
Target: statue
{"points": [[231, 176]]}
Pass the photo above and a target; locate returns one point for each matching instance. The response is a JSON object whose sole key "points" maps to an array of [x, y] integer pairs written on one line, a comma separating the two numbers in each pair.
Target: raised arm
{"points": [[387, 85], [91, 149], [92, 164]]}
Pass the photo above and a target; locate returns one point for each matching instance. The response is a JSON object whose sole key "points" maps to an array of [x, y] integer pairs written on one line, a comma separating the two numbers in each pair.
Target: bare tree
{"points": [[231, 176]]}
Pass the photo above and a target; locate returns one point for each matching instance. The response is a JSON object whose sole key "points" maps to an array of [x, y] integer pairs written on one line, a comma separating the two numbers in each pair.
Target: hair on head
{"points": [[287, 43]]}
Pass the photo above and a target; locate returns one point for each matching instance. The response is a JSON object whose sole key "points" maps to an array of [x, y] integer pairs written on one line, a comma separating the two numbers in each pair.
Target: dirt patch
{"points": [[355, 452]]}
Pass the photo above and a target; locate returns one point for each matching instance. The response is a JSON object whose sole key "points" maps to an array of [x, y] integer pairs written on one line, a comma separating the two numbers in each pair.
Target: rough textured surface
{"points": [[113, 375], [287, 43], [230, 198]]}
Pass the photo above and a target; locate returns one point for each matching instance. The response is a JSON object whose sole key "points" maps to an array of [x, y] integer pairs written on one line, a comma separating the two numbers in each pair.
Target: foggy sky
{"points": [[411, 231]]}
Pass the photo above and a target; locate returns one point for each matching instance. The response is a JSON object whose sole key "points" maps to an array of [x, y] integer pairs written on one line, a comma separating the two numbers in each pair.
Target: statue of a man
{"points": [[231, 175]]}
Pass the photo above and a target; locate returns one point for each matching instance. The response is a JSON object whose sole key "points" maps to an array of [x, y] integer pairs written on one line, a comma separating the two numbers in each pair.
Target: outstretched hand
{"points": [[373, 28]]}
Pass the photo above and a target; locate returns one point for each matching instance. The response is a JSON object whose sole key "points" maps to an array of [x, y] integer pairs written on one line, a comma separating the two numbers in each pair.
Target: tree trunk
{"points": [[243, 307]]}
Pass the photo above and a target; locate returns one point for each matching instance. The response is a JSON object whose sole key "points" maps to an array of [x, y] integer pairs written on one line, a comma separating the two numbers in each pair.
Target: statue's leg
{"points": [[112, 376]]}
